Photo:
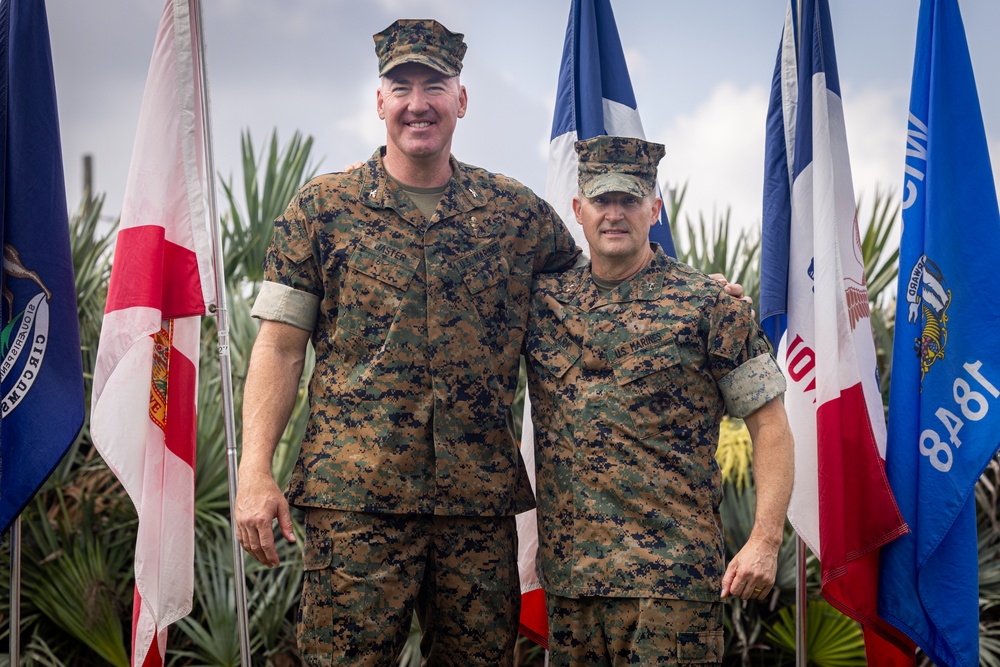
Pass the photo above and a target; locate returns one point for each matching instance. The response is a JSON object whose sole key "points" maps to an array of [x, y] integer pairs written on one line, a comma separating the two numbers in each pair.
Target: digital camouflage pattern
{"points": [[418, 337], [615, 632], [627, 397], [617, 164], [423, 41], [363, 582]]}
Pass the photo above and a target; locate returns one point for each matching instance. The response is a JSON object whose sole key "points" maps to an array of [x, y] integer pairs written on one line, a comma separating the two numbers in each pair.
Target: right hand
{"points": [[259, 502]]}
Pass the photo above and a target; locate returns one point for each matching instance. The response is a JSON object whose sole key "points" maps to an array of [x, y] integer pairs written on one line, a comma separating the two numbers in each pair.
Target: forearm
{"points": [[270, 392], [773, 470]]}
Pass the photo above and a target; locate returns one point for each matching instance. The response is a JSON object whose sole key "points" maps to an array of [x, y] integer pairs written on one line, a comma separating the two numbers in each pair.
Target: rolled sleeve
{"points": [[752, 384], [281, 303]]}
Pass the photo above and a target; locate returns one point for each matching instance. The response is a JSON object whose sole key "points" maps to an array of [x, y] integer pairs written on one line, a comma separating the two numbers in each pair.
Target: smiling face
{"points": [[617, 225], [420, 107]]}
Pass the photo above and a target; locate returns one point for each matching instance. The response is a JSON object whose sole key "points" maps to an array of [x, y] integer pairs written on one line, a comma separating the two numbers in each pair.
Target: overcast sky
{"points": [[701, 70]]}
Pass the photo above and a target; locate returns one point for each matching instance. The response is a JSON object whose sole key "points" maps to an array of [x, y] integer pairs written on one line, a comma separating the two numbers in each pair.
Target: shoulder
{"points": [[560, 286], [496, 185]]}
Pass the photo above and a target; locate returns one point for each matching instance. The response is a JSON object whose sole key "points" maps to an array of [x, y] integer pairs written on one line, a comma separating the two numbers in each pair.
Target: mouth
{"points": [[614, 232], [419, 125]]}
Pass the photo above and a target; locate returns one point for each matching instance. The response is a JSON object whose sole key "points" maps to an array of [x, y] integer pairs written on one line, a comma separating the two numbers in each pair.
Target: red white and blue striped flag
{"points": [[146, 378], [814, 303]]}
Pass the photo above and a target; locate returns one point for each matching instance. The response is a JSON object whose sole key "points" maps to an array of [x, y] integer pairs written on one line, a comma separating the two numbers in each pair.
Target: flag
{"points": [[814, 304], [944, 401], [594, 97], [42, 376], [146, 376]]}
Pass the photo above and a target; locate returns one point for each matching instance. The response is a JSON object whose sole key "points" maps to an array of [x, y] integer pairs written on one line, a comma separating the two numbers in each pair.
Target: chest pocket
{"points": [[485, 274], [555, 356], [378, 277], [651, 383]]}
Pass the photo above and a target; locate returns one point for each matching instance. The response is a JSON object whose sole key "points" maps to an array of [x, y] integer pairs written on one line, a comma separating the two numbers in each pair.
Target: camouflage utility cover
{"points": [[627, 396], [617, 164], [423, 41], [419, 330]]}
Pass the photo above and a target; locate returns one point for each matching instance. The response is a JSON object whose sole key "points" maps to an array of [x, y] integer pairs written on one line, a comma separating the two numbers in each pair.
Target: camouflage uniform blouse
{"points": [[417, 337], [627, 395]]}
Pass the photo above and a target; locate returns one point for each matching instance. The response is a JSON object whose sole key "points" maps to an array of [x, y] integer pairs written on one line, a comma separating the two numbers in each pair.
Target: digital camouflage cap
{"points": [[423, 41], [618, 164]]}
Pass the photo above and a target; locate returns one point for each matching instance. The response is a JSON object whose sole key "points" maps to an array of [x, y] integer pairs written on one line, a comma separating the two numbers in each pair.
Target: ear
{"points": [[463, 101], [656, 207], [577, 209], [379, 102]]}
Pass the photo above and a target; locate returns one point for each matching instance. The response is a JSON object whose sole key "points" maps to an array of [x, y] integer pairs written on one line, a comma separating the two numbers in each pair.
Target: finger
{"points": [[285, 522], [718, 277]]}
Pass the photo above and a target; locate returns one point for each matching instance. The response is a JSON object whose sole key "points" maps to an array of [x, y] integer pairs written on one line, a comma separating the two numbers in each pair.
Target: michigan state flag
{"points": [[944, 406], [41, 395]]}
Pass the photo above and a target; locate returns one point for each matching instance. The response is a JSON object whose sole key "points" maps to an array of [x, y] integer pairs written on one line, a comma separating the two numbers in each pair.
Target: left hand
{"points": [[734, 290], [751, 573]]}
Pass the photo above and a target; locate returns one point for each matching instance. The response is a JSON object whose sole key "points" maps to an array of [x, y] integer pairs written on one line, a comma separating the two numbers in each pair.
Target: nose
{"points": [[614, 211], [417, 101]]}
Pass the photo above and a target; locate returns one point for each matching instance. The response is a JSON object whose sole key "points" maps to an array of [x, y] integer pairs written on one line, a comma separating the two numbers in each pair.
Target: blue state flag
{"points": [[944, 402], [594, 97], [41, 394]]}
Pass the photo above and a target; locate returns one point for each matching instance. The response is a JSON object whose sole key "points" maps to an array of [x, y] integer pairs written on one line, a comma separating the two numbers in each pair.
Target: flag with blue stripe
{"points": [[815, 307], [944, 405], [594, 97], [42, 377]]}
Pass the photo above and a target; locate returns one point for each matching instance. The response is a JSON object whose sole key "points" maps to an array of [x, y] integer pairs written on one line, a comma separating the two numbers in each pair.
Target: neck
{"points": [[431, 172], [610, 270]]}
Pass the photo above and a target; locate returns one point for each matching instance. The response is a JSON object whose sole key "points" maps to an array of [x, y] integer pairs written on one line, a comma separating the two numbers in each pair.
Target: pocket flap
{"points": [[384, 263], [557, 357], [632, 365], [487, 272]]}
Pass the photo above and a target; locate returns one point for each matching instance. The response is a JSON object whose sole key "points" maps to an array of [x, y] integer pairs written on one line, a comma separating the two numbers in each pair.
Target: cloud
{"points": [[718, 150]]}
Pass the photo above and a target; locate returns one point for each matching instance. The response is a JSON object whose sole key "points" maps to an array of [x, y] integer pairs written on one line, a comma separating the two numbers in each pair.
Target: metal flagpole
{"points": [[225, 369], [800, 545], [800, 603], [15, 592]]}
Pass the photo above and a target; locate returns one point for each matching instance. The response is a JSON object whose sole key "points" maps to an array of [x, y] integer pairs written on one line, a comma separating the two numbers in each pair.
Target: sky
{"points": [[701, 71]]}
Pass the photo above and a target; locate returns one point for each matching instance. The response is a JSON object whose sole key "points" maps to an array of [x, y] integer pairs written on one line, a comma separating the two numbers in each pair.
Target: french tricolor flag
{"points": [[814, 303], [594, 97]]}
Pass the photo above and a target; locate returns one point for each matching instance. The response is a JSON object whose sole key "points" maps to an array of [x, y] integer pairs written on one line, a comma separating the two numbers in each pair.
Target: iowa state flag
{"points": [[944, 406], [146, 378], [814, 304], [41, 411]]}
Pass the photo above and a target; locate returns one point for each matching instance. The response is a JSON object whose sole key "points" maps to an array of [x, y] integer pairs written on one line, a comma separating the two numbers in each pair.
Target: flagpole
{"points": [[15, 592], [225, 367], [801, 599]]}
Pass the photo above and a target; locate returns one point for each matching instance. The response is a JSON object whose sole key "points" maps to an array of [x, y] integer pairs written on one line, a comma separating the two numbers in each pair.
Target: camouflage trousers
{"points": [[365, 574], [611, 632]]}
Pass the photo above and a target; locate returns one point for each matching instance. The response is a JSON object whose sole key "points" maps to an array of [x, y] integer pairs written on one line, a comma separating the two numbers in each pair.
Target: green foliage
{"points": [[832, 639], [268, 185]]}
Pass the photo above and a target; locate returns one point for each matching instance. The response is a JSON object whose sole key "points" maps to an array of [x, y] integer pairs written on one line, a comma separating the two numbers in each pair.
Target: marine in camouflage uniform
{"points": [[416, 301], [632, 363]]}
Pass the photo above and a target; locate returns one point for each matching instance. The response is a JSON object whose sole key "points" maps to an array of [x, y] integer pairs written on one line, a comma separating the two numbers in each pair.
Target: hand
{"points": [[751, 573], [351, 167], [259, 502], [734, 290]]}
